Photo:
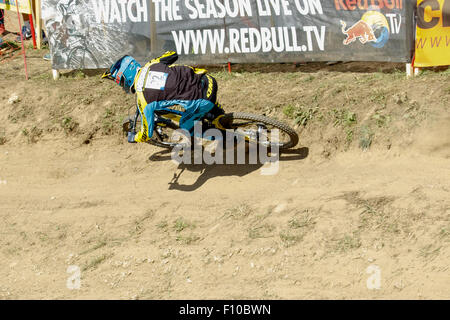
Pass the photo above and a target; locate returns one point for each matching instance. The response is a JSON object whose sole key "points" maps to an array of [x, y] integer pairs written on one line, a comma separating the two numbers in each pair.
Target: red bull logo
{"points": [[360, 30], [373, 28]]}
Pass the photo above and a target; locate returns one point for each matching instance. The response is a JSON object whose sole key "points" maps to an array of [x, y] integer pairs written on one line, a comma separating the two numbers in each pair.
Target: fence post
{"points": [[153, 35], [56, 74], [38, 24], [409, 70]]}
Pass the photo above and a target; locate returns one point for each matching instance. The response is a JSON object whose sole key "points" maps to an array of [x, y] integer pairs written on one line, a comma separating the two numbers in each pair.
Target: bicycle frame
{"points": [[165, 116]]}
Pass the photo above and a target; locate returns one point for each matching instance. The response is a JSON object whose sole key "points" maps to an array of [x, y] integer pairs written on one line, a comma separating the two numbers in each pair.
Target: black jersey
{"points": [[161, 80]]}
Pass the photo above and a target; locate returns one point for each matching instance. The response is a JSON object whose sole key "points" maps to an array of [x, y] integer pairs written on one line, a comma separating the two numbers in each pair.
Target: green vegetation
{"points": [[381, 120], [33, 134], [261, 231], [96, 262], [348, 242], [300, 114], [365, 137], [187, 240], [3, 139], [180, 224], [343, 117], [69, 125]]}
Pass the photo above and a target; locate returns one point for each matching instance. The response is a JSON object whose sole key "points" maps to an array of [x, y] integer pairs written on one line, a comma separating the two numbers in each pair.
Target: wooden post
{"points": [[409, 70], [56, 74], [153, 35], [38, 23]]}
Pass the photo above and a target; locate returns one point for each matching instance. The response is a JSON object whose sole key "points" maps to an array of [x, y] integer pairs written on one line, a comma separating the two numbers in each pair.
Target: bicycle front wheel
{"points": [[260, 129]]}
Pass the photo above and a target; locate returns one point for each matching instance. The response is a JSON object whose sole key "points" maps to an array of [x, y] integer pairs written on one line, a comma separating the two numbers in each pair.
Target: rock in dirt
{"points": [[14, 98]]}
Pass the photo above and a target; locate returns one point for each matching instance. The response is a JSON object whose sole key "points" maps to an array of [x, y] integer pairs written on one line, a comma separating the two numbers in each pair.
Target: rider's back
{"points": [[161, 80]]}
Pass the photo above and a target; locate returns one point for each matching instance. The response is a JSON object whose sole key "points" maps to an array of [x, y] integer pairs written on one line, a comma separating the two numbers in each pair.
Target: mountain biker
{"points": [[161, 84]]}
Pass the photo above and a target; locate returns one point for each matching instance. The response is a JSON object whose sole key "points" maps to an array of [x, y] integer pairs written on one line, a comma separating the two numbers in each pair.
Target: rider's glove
{"points": [[131, 136]]}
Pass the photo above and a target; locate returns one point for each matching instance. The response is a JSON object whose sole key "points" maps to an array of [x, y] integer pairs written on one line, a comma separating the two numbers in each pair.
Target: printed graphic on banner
{"points": [[433, 33], [373, 27], [24, 5], [95, 33], [77, 41]]}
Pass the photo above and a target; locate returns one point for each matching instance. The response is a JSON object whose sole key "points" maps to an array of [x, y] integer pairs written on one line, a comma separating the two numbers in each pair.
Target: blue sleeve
{"points": [[149, 114]]}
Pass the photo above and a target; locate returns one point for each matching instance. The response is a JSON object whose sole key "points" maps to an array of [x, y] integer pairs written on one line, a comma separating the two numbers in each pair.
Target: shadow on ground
{"points": [[210, 171]]}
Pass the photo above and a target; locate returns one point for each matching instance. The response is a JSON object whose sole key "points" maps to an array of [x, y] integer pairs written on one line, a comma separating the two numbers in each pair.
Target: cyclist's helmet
{"points": [[123, 72]]}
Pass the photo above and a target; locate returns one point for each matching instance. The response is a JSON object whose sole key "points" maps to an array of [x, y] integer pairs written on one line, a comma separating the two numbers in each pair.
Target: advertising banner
{"points": [[95, 33], [24, 5], [433, 33]]}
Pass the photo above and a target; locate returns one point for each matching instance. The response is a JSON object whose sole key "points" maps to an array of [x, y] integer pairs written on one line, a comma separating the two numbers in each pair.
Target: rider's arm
{"points": [[147, 126]]}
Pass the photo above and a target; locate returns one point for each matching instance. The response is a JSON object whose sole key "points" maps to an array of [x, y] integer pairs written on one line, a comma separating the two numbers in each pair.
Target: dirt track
{"points": [[318, 229]]}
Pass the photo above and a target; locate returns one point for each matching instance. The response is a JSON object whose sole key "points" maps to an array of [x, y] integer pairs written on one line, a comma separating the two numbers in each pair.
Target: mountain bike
{"points": [[249, 127]]}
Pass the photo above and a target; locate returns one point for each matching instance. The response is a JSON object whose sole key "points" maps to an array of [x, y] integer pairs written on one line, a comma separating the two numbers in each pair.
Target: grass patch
{"points": [[429, 251], [3, 139], [138, 224], [289, 239], [308, 78], [110, 122], [447, 90], [303, 222], [33, 134], [98, 245], [187, 240], [289, 111], [180, 224], [381, 120], [376, 218], [94, 263], [43, 76], [297, 229], [343, 117], [444, 233], [300, 114], [239, 212], [347, 243], [163, 225], [42, 236], [349, 133], [365, 137], [262, 231], [379, 96], [20, 113], [69, 125]]}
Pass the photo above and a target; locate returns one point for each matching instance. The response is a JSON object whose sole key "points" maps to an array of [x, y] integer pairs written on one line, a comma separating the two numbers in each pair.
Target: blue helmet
{"points": [[123, 72]]}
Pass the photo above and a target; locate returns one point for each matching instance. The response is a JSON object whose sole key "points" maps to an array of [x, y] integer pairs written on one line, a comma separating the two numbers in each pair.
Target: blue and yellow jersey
{"points": [[161, 84]]}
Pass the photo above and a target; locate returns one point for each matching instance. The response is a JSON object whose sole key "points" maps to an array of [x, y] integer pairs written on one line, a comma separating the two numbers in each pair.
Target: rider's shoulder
{"points": [[168, 58]]}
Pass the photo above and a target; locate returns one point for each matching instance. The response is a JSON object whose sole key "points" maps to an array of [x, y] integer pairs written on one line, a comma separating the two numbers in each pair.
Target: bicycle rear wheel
{"points": [[260, 129]]}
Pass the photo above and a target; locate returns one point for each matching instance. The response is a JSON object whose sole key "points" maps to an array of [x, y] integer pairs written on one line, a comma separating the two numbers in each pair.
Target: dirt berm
{"points": [[360, 209]]}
